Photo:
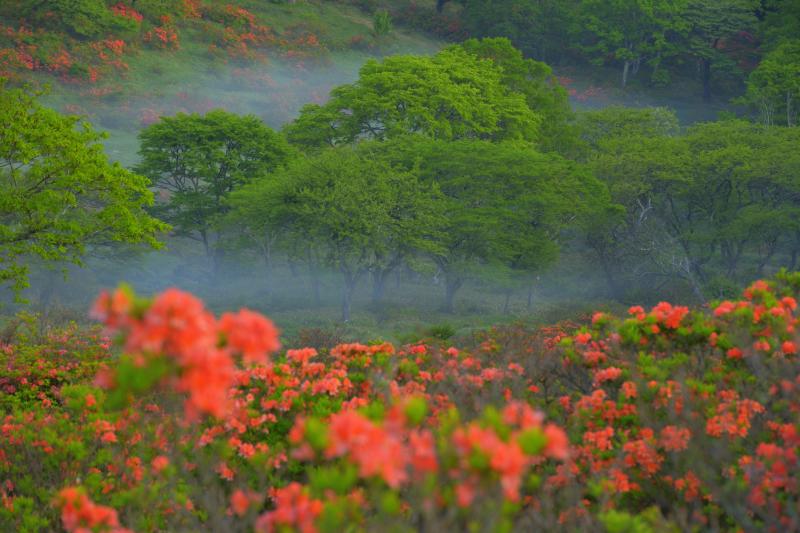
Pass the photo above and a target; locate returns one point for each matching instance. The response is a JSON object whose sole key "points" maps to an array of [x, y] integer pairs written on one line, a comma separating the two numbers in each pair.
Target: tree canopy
{"points": [[451, 95], [195, 161], [60, 194]]}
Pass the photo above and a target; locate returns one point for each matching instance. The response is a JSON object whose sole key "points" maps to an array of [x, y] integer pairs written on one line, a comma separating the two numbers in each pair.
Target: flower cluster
{"points": [[175, 324], [644, 419], [79, 513], [125, 11]]}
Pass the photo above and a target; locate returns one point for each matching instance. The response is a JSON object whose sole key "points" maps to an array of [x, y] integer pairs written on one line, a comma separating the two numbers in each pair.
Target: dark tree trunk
{"points": [[613, 286], [451, 288], [347, 294], [530, 297], [267, 254], [347, 301], [625, 69], [697, 288], [507, 302], [217, 258], [379, 278], [762, 262], [440, 5], [47, 292], [706, 79]]}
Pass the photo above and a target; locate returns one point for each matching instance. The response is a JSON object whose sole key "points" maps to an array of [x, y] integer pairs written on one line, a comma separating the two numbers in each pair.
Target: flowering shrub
{"points": [[229, 30], [163, 36], [661, 420]]}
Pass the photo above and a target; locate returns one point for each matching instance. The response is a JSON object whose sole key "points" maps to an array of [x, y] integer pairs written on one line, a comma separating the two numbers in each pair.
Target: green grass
{"points": [[411, 310], [192, 79]]}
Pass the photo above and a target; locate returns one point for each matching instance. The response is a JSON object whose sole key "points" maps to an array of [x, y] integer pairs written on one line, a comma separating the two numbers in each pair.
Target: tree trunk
{"points": [[697, 289], [440, 5], [451, 288], [217, 257], [347, 294], [47, 292], [762, 262], [625, 70], [507, 302], [706, 79], [611, 281], [530, 297], [379, 278], [267, 255]]}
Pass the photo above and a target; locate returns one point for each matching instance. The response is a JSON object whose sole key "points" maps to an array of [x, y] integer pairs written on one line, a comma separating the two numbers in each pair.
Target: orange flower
{"points": [[176, 323], [629, 389], [607, 374], [112, 309], [369, 446], [423, 451], [251, 334], [240, 502], [294, 509], [734, 353], [508, 460], [724, 308], [601, 439], [557, 442], [301, 356], [207, 379], [159, 463], [675, 439], [79, 513]]}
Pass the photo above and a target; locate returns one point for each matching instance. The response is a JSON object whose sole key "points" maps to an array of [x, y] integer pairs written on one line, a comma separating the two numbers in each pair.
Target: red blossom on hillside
{"points": [[122, 10]]}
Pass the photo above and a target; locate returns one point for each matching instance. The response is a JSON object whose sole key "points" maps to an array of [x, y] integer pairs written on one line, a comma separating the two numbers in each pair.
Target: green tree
{"points": [[452, 95], [712, 25], [60, 194], [196, 161], [630, 31], [260, 214], [779, 21], [774, 87], [535, 80], [82, 19], [506, 204], [362, 216], [617, 121], [720, 200]]}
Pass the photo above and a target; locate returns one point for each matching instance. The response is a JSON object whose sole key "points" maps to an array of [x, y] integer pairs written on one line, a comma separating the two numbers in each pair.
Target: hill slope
{"points": [[245, 56]]}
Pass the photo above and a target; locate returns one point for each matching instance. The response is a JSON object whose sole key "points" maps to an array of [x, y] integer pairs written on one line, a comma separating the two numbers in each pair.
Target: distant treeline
{"points": [[468, 165], [729, 46]]}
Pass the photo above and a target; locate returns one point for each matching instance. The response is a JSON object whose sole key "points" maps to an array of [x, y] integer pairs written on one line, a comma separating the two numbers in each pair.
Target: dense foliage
{"points": [[466, 167], [664, 420], [60, 193], [717, 43]]}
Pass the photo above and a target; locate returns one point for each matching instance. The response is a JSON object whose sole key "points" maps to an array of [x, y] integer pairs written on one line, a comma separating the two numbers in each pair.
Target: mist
{"points": [[302, 302]]}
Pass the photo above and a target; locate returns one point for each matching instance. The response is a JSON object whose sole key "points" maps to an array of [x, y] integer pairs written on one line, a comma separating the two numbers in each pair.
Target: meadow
{"points": [[361, 265]]}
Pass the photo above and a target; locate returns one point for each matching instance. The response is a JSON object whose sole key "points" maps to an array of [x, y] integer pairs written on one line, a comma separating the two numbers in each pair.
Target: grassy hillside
{"points": [[247, 56]]}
